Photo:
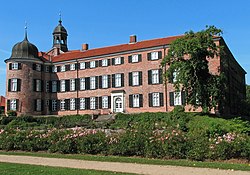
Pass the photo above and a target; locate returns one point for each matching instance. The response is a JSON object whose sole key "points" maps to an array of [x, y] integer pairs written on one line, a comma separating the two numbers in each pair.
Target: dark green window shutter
{"points": [[171, 98], [19, 66], [100, 102], [130, 79], [150, 100], [113, 61], [77, 84], [113, 80], [58, 85], [149, 56], [42, 85], [76, 66], [50, 69], [96, 82], [160, 76], [34, 84], [139, 58], [34, 66], [42, 105], [42, 67], [67, 67], [122, 80], [50, 86], [58, 105], [18, 84], [10, 66], [149, 77], [100, 82], [67, 85], [109, 81], [50, 105], [183, 98], [109, 102], [9, 85], [100, 63], [141, 100], [67, 104], [131, 101], [35, 104], [108, 62], [87, 65], [87, 103], [122, 60], [129, 58], [159, 55], [77, 103], [58, 68], [161, 99], [8, 105], [97, 63], [87, 83], [17, 104], [140, 78]]}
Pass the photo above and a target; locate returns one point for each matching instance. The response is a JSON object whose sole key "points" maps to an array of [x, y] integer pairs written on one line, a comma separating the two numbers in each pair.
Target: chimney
{"points": [[132, 39], [85, 47]]}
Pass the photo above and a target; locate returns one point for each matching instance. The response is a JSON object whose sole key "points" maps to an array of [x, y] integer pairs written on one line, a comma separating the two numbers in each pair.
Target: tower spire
{"points": [[25, 28], [60, 17]]}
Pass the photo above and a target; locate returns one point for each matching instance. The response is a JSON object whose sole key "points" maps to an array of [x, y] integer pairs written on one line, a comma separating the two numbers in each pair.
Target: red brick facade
{"points": [[139, 80]]}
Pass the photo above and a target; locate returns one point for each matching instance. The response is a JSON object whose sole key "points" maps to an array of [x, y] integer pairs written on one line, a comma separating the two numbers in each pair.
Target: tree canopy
{"points": [[187, 61]]}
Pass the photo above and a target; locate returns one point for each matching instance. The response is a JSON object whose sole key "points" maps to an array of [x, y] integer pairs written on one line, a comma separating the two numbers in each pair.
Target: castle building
{"points": [[122, 78]]}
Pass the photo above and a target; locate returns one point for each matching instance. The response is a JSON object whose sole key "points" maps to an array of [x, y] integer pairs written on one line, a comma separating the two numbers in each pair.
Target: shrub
{"points": [[11, 113]]}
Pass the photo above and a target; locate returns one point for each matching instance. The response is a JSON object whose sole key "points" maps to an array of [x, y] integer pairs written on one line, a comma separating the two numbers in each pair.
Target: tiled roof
{"points": [[114, 49]]}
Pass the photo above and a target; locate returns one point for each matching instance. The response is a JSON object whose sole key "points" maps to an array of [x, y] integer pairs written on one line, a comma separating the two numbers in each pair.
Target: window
{"points": [[92, 83], [92, 102], [54, 105], [82, 103], [62, 105], [13, 104], [154, 55], [82, 84], [38, 105], [13, 84], [62, 85], [82, 65], [136, 100], [63, 68], [105, 102], [38, 67], [105, 81], [117, 60], [54, 86], [14, 66], [72, 104], [72, 66], [47, 69], [156, 99], [135, 78], [38, 85], [47, 86], [104, 62], [118, 80], [177, 98], [155, 76], [92, 64], [135, 58], [54, 69], [72, 85]]}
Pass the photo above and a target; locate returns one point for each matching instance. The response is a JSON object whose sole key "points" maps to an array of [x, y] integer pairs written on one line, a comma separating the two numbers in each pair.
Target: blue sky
{"points": [[110, 22]]}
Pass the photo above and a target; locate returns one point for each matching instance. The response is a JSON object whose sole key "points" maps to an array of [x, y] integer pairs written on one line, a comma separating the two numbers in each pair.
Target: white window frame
{"points": [[118, 80], [136, 100], [63, 69], [13, 105], [38, 67], [92, 64], [154, 56], [72, 66], [38, 105], [72, 85], [62, 105], [92, 83], [54, 86], [14, 66], [72, 104], [105, 63], [105, 81], [118, 61], [177, 98], [82, 84], [155, 76], [82, 103], [13, 84], [105, 102], [156, 99], [135, 58], [54, 105], [92, 102], [38, 85], [62, 85], [82, 65], [135, 78]]}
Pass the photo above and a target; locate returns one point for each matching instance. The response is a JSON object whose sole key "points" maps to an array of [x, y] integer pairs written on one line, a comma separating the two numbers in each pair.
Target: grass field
{"points": [[220, 165], [23, 169]]}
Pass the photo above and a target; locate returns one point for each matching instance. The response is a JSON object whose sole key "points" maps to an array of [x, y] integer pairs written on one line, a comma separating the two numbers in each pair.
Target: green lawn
{"points": [[220, 165], [23, 169]]}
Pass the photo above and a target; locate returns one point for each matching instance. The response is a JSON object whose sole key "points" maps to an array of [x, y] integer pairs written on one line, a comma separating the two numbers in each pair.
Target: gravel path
{"points": [[118, 167]]}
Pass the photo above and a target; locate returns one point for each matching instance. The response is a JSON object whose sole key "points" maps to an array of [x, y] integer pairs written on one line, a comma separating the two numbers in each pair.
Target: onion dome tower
{"points": [[60, 37], [24, 79]]}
